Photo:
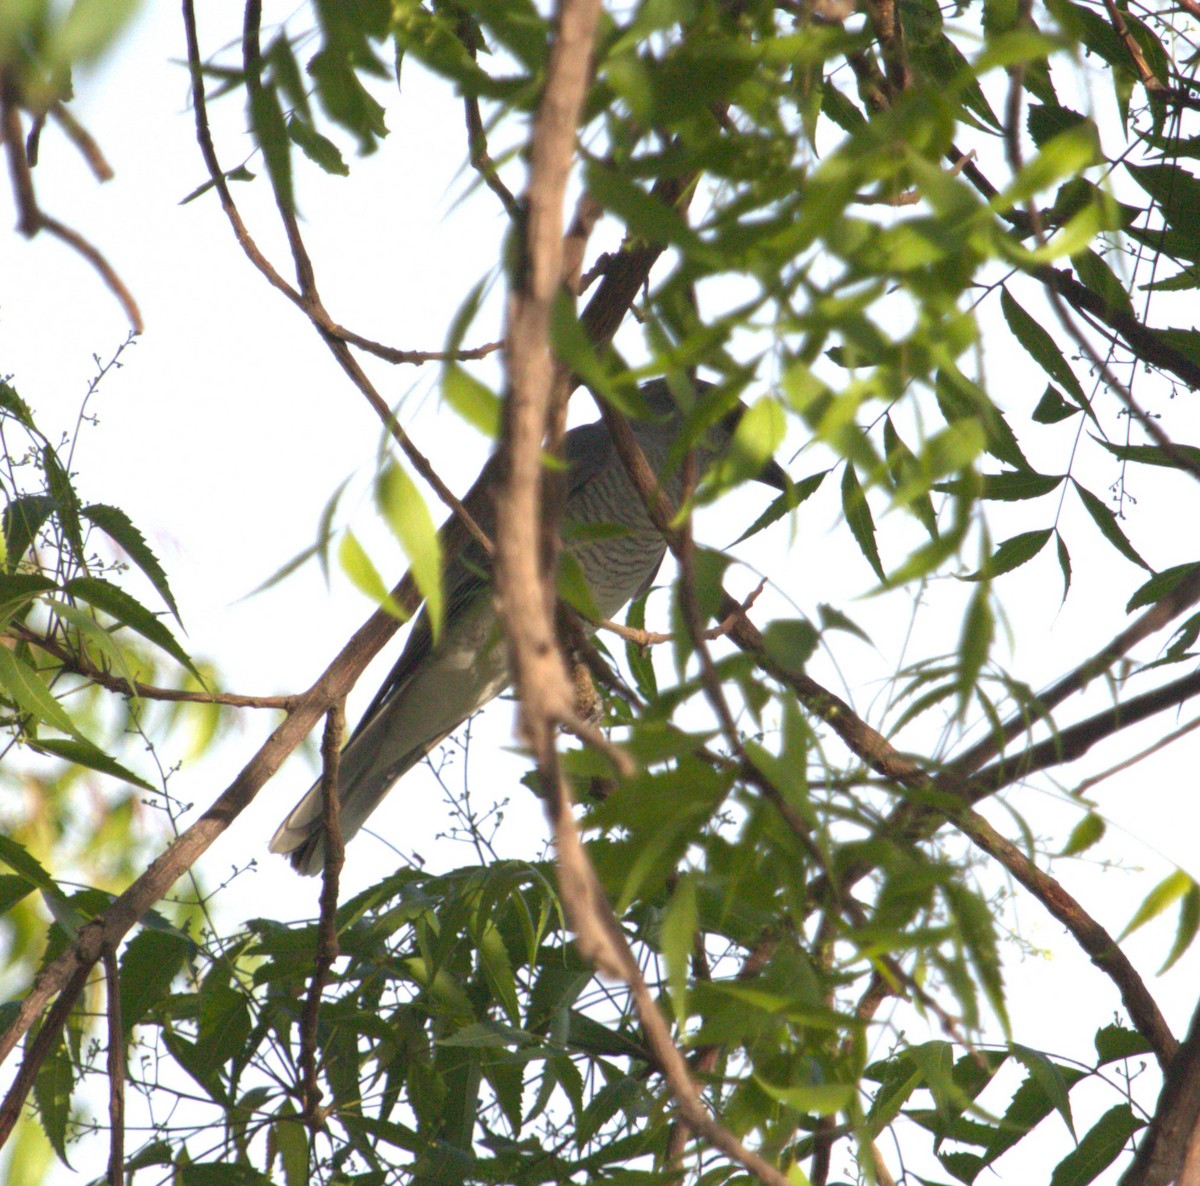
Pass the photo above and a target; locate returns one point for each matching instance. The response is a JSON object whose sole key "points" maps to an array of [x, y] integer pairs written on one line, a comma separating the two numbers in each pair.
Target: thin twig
{"points": [[79, 664], [327, 941], [79, 136], [116, 1072], [306, 298]]}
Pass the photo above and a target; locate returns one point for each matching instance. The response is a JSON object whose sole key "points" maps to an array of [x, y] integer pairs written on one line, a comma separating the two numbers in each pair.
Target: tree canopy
{"points": [[946, 255]]}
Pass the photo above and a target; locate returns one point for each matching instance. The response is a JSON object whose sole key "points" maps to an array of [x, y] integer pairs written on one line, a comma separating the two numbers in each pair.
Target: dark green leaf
{"points": [[52, 1093], [149, 964], [1064, 562], [1015, 487], [1159, 585], [24, 517], [1012, 553], [1106, 520], [116, 524], [319, 149], [1179, 457], [1052, 408], [66, 504], [1100, 1147], [1114, 1043], [858, 516], [130, 612], [1040, 346], [787, 501], [1102, 280], [82, 752], [790, 642]]}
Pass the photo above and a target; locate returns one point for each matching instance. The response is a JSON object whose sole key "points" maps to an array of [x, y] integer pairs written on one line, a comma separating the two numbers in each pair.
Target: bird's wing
{"points": [[589, 451]]}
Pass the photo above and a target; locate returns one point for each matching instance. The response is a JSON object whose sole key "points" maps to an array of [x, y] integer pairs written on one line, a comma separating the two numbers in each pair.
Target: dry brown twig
{"points": [[116, 1071], [327, 952]]}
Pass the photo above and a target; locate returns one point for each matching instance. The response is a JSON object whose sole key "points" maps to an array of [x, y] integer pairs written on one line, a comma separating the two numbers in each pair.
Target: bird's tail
{"points": [[362, 783]]}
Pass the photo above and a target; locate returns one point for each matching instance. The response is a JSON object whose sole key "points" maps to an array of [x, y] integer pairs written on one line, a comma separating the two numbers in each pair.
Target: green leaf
{"points": [[81, 752], [288, 1139], [408, 516], [1064, 155], [66, 504], [1153, 454], [19, 588], [130, 612], [1012, 553], [364, 576], [149, 964], [789, 500], [20, 861], [1040, 346], [1052, 408], [1016, 486], [1185, 932], [1064, 562], [790, 642], [1101, 1145], [858, 516], [12, 890], [30, 693], [319, 149], [1106, 520], [820, 1099], [1114, 1043], [677, 939], [52, 1093], [833, 619], [1089, 831], [1047, 1075], [1173, 886], [974, 644], [24, 517], [1102, 280], [115, 523], [1159, 585], [473, 400]]}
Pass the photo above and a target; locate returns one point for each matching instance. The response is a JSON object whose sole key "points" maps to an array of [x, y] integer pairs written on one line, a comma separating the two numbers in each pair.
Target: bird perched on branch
{"points": [[433, 688]]}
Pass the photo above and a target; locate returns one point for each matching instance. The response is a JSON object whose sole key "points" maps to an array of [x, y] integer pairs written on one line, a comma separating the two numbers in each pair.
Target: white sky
{"points": [[230, 425]]}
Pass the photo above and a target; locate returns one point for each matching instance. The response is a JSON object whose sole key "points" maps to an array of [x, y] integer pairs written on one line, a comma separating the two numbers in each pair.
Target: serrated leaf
{"points": [[1019, 485], [407, 514], [1012, 553], [1153, 454], [1089, 831], [1100, 1147], [52, 1094], [22, 862], [1106, 520], [1159, 585], [1040, 346], [1173, 886], [66, 504], [319, 149], [1047, 1075], [1064, 562], [1114, 1042], [116, 524], [787, 501], [149, 964], [82, 752], [24, 517], [130, 612], [31, 695], [859, 518]]}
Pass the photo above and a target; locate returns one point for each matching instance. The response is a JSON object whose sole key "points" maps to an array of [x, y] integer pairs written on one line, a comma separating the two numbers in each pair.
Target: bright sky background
{"points": [[229, 426]]}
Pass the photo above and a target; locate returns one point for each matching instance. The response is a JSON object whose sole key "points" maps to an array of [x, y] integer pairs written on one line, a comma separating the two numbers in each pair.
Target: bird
{"points": [[435, 686]]}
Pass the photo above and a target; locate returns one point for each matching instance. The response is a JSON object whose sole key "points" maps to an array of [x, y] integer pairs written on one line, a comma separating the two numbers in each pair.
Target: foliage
{"points": [[847, 210]]}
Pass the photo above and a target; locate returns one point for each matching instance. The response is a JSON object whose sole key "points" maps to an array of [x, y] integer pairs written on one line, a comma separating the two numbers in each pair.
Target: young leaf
{"points": [[1090, 830], [30, 693], [1173, 886], [364, 576], [408, 516]]}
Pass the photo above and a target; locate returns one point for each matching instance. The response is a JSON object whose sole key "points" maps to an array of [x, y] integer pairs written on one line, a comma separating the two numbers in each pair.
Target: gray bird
{"points": [[433, 689]]}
